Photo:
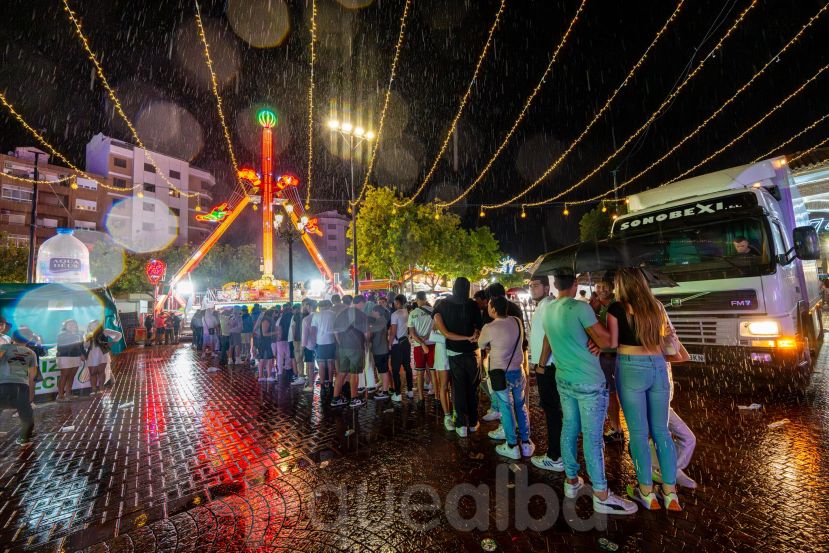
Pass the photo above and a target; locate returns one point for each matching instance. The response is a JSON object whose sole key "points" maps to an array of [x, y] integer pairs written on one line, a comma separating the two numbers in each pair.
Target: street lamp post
{"points": [[354, 137], [290, 233], [32, 261]]}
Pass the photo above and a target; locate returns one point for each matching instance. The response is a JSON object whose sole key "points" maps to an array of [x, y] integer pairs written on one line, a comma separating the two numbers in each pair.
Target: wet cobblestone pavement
{"points": [[176, 458]]}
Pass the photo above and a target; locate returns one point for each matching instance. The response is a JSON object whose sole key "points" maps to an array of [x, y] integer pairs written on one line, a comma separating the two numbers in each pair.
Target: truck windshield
{"points": [[722, 249]]}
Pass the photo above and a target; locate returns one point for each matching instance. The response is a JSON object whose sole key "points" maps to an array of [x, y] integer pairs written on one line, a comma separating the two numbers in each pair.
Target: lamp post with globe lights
{"points": [[290, 232], [354, 137]]}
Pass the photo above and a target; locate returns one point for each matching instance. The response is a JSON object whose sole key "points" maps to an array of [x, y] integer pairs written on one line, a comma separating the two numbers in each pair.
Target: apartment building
{"points": [[333, 244], [128, 165], [73, 203]]}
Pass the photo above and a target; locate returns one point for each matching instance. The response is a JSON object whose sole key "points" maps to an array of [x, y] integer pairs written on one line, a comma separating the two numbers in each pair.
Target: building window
{"points": [[89, 184], [332, 227], [149, 206], [85, 225], [119, 162], [175, 193], [86, 205], [48, 223], [176, 210], [149, 168], [175, 174], [119, 182], [149, 187], [19, 240], [11, 218], [332, 236], [16, 193], [147, 226]]}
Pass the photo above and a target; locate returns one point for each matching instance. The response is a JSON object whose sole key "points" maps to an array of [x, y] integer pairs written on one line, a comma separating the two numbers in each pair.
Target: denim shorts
{"points": [[326, 352]]}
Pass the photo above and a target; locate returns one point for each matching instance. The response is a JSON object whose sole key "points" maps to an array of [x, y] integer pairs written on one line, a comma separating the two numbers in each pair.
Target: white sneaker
{"points": [[299, 381], [497, 434], [572, 490], [527, 448], [410, 394], [475, 428], [507, 451], [448, 423], [396, 398], [684, 480], [544, 462], [491, 416], [460, 431], [614, 505]]}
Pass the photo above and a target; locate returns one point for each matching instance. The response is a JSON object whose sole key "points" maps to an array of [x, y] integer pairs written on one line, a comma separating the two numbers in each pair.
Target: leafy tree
{"points": [[13, 260], [594, 225]]}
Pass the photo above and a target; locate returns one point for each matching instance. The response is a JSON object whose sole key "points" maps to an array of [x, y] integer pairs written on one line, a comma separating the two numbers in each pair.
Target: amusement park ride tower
{"points": [[280, 193]]}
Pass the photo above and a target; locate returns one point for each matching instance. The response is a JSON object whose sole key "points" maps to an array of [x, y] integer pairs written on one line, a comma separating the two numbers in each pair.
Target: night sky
{"points": [[152, 55]]}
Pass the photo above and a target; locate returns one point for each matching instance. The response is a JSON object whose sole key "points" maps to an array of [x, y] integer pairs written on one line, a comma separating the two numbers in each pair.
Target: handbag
{"points": [[498, 377]]}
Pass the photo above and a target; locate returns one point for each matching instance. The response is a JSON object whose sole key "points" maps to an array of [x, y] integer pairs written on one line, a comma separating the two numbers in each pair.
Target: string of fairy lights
{"points": [[53, 151], [310, 173], [810, 150], [757, 123], [99, 70], [659, 110], [596, 117], [392, 74], [461, 107], [791, 139], [527, 103], [710, 118], [214, 86]]}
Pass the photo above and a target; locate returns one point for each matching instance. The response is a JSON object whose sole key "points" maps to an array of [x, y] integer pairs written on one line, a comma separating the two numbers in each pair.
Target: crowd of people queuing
{"points": [[20, 352], [593, 358]]}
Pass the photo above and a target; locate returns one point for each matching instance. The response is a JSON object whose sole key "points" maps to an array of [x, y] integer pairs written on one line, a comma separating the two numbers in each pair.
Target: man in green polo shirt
{"points": [[569, 325]]}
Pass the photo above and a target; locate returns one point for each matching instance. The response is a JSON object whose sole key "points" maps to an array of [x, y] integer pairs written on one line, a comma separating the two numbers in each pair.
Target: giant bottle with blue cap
{"points": [[63, 258]]}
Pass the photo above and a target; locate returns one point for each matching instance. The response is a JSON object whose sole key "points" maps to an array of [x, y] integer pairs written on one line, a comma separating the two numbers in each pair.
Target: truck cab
{"points": [[738, 245]]}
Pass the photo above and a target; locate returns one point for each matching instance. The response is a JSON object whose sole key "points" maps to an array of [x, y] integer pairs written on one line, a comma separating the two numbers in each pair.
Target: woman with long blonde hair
{"points": [[636, 325]]}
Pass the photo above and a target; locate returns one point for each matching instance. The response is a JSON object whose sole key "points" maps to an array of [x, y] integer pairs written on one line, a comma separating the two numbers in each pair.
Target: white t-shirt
{"points": [[537, 333], [5, 339], [504, 337], [323, 321], [421, 320], [401, 319]]}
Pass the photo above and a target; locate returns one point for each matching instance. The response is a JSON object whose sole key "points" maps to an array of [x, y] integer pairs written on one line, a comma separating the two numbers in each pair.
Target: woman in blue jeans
{"points": [[504, 336], [635, 323]]}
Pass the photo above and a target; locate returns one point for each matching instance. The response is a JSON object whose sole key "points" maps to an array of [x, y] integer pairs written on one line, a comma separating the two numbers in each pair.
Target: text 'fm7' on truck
{"points": [[738, 245]]}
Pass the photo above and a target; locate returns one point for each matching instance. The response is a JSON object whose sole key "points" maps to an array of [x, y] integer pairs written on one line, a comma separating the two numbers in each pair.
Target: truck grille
{"points": [[706, 332]]}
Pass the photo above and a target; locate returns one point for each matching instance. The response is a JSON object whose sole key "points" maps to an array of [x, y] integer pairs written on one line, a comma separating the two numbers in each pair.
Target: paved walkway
{"points": [[176, 458]]}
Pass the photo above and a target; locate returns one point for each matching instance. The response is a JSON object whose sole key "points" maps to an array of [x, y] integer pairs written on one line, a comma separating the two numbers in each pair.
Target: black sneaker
{"points": [[361, 390], [356, 402], [339, 402]]}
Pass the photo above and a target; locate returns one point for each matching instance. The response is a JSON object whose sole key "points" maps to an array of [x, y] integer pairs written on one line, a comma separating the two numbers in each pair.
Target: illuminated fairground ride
{"points": [[282, 194]]}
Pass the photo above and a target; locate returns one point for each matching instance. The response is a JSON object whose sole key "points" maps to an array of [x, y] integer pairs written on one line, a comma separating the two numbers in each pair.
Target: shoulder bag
{"points": [[672, 348]]}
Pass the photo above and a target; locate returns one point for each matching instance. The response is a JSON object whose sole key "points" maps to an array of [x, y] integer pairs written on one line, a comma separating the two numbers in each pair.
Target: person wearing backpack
{"points": [[98, 346]]}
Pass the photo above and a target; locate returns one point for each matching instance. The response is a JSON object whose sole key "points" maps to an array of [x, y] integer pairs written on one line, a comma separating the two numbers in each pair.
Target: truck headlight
{"points": [[760, 328]]}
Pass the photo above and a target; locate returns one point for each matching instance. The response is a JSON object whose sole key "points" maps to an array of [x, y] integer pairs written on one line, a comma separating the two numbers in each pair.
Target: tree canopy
{"points": [[391, 240], [594, 225]]}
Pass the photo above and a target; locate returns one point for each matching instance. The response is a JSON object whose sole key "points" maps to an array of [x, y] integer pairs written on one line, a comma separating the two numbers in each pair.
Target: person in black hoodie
{"points": [[459, 320]]}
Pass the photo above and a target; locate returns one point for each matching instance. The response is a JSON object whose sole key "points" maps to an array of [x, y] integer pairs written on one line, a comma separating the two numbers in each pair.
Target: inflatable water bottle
{"points": [[63, 258]]}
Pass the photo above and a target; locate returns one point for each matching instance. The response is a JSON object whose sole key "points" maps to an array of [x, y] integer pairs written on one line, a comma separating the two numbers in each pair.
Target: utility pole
{"points": [[31, 266]]}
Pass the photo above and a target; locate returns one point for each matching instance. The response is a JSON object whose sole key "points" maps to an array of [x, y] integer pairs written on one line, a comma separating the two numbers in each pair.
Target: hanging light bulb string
{"points": [[792, 138], [659, 110], [99, 70], [461, 107], [310, 174], [38, 182], [757, 123], [214, 87], [43, 142], [527, 103], [713, 115], [810, 150], [600, 113], [392, 74]]}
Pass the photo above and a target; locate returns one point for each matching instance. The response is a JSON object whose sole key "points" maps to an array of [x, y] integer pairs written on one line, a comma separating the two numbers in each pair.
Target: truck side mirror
{"points": [[806, 243]]}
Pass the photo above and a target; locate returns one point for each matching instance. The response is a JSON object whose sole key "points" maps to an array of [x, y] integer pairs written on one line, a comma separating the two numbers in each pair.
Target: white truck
{"points": [[738, 244]]}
